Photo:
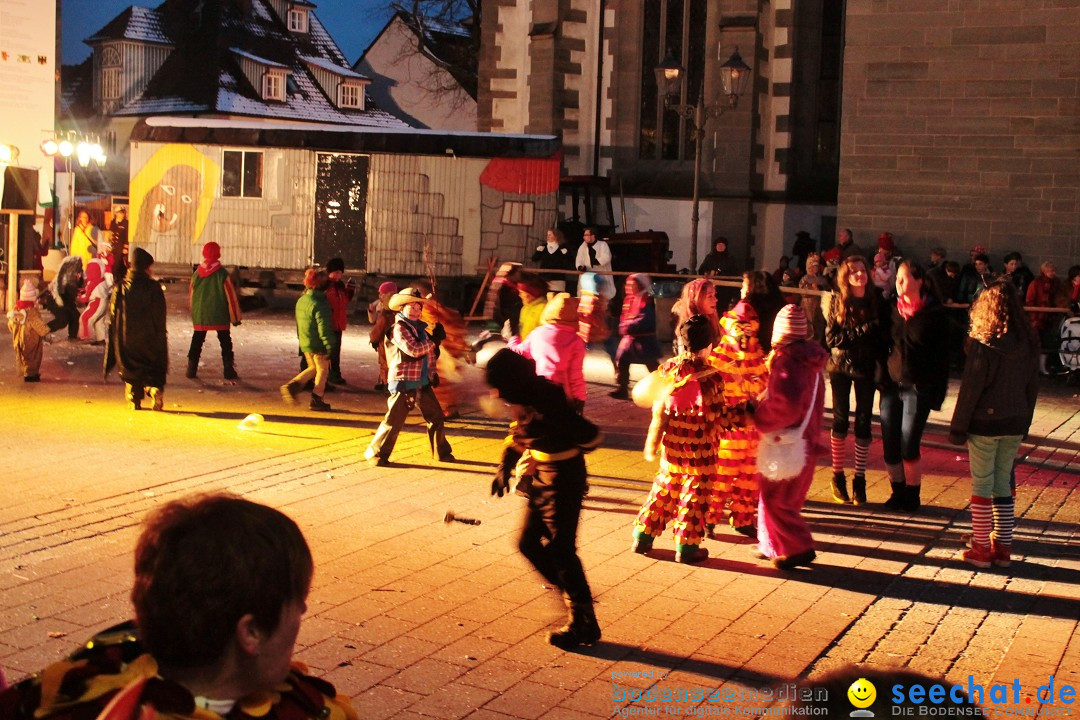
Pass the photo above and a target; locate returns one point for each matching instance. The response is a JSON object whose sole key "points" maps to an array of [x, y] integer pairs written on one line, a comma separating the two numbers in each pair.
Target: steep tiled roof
{"points": [[135, 23], [203, 75]]}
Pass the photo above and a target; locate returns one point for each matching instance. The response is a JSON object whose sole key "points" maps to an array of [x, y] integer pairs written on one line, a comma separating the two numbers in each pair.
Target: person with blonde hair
{"points": [[857, 336], [993, 413]]}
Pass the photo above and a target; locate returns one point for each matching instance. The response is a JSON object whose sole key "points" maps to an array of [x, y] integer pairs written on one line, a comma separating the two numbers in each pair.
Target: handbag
{"points": [[782, 453]]}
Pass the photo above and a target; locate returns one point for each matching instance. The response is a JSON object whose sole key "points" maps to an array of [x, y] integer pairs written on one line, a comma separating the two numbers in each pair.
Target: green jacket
{"points": [[315, 323]]}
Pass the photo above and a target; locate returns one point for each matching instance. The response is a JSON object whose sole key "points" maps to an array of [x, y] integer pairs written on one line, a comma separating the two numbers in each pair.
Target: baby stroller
{"points": [[1070, 348]]}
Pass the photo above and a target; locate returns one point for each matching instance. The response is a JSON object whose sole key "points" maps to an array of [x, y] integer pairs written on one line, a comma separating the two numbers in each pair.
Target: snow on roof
{"points": [[135, 23], [331, 67], [256, 58], [254, 124]]}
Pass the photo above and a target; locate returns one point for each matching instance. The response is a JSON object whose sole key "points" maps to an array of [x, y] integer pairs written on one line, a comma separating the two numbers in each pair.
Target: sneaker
{"points": [[698, 554], [337, 380], [979, 556], [157, 397], [1002, 554], [620, 394], [790, 562], [318, 404], [374, 460]]}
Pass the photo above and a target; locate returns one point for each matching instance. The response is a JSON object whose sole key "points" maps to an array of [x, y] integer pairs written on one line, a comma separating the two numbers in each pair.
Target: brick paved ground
{"points": [[417, 619]]}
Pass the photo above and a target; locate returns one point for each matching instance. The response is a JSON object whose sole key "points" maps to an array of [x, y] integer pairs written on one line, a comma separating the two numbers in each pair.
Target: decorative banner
{"points": [[170, 197]]}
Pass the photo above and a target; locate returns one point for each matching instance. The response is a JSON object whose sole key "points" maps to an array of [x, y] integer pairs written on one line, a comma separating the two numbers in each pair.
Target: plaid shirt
{"points": [[407, 348]]}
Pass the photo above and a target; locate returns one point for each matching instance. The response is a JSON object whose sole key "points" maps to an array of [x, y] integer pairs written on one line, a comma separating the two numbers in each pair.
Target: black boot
{"points": [[318, 404], [192, 368], [288, 392], [228, 363], [858, 489], [912, 500], [896, 500], [839, 489], [581, 630]]}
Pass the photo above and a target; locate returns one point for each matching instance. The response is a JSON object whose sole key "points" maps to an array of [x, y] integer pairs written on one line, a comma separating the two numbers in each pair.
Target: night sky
{"points": [[352, 23]]}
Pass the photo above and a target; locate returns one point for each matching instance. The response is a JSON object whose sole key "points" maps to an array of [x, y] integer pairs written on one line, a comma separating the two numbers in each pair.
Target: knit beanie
{"points": [[335, 265], [695, 334], [211, 251], [388, 288], [790, 326], [142, 260], [28, 292]]}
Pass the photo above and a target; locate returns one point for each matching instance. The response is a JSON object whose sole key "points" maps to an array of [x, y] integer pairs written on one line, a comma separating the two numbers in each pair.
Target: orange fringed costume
{"points": [[453, 348], [686, 427], [741, 362]]}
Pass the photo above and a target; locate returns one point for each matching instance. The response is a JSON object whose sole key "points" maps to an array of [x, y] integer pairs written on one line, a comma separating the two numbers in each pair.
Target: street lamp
{"points": [[734, 74], [85, 149]]}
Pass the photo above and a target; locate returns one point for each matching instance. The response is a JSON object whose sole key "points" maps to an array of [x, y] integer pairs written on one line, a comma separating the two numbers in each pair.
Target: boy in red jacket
{"points": [[338, 294]]}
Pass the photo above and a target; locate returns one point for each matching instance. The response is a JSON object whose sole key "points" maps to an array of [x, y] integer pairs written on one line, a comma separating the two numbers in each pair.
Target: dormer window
{"points": [[274, 86], [351, 95], [298, 20]]}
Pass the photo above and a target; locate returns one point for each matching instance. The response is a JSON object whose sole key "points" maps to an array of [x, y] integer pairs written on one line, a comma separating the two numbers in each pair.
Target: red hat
{"points": [[885, 242], [211, 251], [979, 249]]}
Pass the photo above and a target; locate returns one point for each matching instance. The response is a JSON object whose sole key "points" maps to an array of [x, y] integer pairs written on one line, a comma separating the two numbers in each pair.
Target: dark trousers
{"points": [[841, 402], [224, 340], [549, 538], [399, 405], [903, 418], [66, 314], [622, 370], [335, 358]]}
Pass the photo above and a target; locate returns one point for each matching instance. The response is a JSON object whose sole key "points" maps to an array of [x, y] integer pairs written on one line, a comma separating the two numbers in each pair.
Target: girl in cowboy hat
{"points": [[410, 353]]}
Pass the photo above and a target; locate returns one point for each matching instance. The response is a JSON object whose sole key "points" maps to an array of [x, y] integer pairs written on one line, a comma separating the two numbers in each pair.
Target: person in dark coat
{"points": [[804, 245], [719, 261], [763, 293], [63, 295], [555, 254], [993, 413], [138, 342], [917, 380], [556, 438], [637, 325]]}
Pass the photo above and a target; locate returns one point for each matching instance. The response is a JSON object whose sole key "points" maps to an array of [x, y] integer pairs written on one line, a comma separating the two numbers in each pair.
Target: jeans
{"points": [[903, 419], [841, 402], [991, 459], [398, 407]]}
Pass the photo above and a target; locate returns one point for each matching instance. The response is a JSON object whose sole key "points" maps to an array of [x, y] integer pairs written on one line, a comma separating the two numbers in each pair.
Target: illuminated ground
{"points": [[414, 618]]}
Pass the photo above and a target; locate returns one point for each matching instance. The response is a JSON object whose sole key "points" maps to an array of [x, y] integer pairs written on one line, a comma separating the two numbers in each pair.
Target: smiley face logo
{"points": [[862, 693]]}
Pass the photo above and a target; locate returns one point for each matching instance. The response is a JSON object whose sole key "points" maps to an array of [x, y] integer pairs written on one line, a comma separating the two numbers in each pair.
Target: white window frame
{"points": [[351, 95], [298, 20], [273, 86], [243, 152]]}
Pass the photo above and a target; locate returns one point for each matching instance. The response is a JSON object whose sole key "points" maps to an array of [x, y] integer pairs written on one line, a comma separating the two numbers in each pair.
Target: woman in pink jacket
{"points": [[796, 387], [557, 349]]}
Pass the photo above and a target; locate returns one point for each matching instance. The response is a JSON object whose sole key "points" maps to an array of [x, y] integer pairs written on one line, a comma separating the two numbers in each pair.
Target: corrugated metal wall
{"points": [[273, 231], [421, 202]]}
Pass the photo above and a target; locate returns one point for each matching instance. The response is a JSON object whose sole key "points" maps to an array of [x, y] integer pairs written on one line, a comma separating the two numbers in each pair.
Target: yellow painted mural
{"points": [[171, 198]]}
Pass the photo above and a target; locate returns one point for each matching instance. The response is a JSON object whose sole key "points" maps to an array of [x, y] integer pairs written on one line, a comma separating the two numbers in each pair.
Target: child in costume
{"points": [[557, 438], [556, 348], [741, 363], [338, 294], [795, 395], [685, 428], [28, 332], [315, 333], [637, 326], [214, 306], [450, 349], [411, 354], [533, 291], [93, 321], [382, 321]]}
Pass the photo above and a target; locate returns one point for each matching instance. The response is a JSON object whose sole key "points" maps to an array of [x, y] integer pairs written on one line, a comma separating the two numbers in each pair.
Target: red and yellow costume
{"points": [[452, 351], [741, 362], [686, 427], [112, 678]]}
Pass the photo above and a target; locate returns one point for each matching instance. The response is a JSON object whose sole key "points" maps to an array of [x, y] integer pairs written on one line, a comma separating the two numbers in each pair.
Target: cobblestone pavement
{"points": [[414, 618]]}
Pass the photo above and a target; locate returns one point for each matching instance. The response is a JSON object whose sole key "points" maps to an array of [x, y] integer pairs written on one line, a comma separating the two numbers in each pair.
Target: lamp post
{"points": [[85, 149], [734, 74]]}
